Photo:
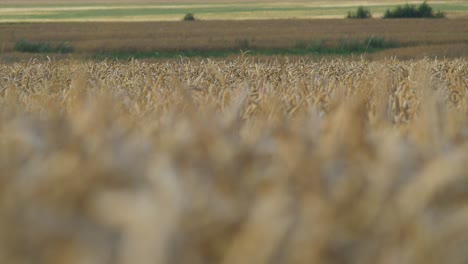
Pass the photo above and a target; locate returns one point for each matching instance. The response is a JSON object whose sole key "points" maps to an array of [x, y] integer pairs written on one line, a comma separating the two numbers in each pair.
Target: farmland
{"points": [[443, 38], [265, 132], [203, 161], [153, 29], [215, 10]]}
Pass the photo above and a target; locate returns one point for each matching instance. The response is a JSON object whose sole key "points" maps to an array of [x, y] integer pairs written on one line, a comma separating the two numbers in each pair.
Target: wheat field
{"points": [[239, 161]]}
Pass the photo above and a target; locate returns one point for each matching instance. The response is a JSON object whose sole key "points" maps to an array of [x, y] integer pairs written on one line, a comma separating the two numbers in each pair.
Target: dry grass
{"points": [[234, 162]]}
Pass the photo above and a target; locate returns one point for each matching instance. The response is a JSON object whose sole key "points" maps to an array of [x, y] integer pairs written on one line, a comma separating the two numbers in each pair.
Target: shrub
{"points": [[64, 48], [345, 45], [425, 10], [189, 17], [379, 43], [32, 47], [411, 11], [41, 47], [361, 13]]}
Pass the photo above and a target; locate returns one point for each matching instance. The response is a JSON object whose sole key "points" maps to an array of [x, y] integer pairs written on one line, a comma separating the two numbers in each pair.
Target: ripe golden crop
{"points": [[237, 161]]}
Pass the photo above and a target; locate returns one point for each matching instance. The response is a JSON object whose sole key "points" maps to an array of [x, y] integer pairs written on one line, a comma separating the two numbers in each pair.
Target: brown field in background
{"points": [[447, 37]]}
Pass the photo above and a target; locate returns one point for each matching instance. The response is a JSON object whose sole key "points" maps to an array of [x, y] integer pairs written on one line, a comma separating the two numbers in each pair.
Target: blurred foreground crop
{"points": [[234, 162]]}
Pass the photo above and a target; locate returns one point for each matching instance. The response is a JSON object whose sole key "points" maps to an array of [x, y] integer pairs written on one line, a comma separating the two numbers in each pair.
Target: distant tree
{"points": [[410, 11], [387, 14], [189, 17], [361, 13], [425, 10]]}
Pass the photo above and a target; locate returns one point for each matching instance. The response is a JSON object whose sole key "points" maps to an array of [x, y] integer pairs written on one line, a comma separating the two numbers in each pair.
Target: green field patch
{"points": [[161, 11], [223, 11], [134, 12], [460, 7]]}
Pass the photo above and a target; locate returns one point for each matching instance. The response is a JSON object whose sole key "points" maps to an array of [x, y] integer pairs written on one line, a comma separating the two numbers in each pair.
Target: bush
{"points": [[41, 47], [379, 43], [346, 45], [410, 11], [361, 13], [32, 47], [189, 17], [64, 48], [425, 10]]}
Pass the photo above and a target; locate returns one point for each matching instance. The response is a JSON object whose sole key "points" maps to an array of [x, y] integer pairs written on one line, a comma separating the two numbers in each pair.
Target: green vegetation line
{"points": [[343, 47]]}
